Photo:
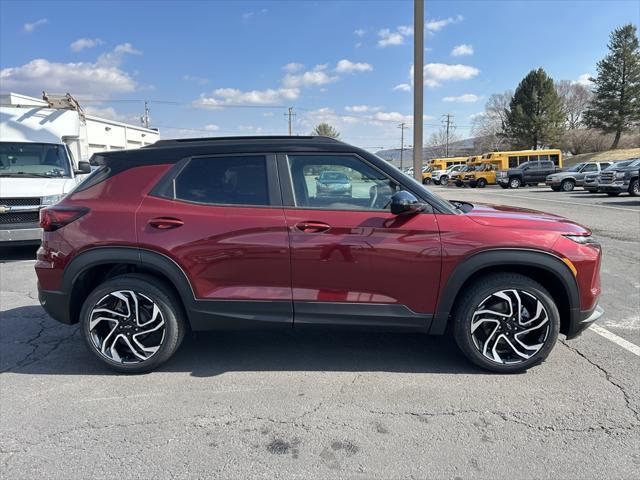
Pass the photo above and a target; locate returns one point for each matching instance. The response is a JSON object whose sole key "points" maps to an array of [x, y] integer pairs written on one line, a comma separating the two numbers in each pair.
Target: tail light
{"points": [[57, 216]]}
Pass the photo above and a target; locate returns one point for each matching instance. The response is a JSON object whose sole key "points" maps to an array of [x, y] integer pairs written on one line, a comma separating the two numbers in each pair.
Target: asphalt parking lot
{"points": [[331, 405]]}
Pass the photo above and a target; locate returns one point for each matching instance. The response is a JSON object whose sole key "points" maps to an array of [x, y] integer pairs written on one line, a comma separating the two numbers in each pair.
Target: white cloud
{"points": [[83, 43], [310, 78], [347, 66], [437, 25], [233, 96], [466, 98], [360, 108], [403, 87], [584, 80], [30, 27], [292, 67], [359, 32], [392, 117], [196, 79], [387, 37], [257, 13], [114, 58], [78, 78], [211, 127], [109, 113], [358, 45], [405, 30], [463, 49], [436, 73]]}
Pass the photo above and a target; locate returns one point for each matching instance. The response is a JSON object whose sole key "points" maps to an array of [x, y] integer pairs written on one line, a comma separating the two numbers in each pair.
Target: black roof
{"points": [[215, 141]]}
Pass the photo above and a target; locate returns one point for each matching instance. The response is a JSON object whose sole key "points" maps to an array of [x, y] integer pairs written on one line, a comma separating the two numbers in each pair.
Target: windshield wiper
{"points": [[28, 174]]}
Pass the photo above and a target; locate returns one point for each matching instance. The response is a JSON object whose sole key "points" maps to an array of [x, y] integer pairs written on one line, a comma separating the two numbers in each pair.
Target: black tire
{"points": [[515, 182], [459, 183], [160, 294], [426, 181], [504, 186], [437, 182], [613, 194], [481, 183], [479, 293], [633, 188], [555, 189], [444, 180], [567, 185]]}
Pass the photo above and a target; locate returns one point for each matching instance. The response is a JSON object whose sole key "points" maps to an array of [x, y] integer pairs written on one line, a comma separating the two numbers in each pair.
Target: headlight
{"points": [[50, 199], [583, 239], [620, 174]]}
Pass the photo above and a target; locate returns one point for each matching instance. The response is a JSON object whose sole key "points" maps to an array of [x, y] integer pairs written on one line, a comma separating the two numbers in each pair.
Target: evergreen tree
{"points": [[325, 130], [616, 104], [535, 117]]}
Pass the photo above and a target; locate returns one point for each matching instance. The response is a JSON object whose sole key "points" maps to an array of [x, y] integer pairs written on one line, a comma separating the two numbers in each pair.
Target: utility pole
{"points": [[418, 86], [448, 126], [402, 127], [145, 118], [290, 116]]}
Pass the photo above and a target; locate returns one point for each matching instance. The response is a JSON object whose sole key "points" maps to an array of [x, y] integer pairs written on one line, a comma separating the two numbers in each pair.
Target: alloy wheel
{"points": [[126, 327], [510, 326]]}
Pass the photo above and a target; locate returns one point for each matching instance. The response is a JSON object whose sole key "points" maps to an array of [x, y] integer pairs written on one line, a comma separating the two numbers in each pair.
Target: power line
{"points": [[290, 116], [402, 128], [448, 124]]}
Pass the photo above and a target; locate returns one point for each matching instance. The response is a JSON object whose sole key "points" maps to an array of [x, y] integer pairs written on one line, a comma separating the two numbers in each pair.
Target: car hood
{"points": [[11, 187], [562, 174], [522, 218]]}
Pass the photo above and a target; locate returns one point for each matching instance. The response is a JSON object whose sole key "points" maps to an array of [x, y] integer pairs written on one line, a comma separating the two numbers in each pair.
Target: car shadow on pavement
{"points": [[13, 253], [33, 343]]}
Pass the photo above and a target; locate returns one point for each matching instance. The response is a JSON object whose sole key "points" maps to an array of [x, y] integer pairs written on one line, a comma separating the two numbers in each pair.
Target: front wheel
{"points": [[506, 323], [481, 183], [567, 185], [633, 188], [426, 181], [444, 180], [132, 323], [515, 182], [613, 194]]}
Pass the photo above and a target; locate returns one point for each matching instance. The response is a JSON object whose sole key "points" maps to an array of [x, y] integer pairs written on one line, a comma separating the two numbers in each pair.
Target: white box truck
{"points": [[45, 146]]}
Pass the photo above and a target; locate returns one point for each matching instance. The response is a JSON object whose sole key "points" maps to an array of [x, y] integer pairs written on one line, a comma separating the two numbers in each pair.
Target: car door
{"points": [[588, 168], [352, 261], [220, 218]]}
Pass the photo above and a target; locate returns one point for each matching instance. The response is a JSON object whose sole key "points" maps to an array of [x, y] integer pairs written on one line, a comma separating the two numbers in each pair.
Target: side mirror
{"points": [[317, 178], [83, 167], [405, 203]]}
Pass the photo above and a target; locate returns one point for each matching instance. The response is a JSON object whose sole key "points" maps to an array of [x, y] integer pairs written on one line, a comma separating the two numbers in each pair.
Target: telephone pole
{"points": [[448, 126], [418, 86], [290, 116], [144, 119], [402, 127]]}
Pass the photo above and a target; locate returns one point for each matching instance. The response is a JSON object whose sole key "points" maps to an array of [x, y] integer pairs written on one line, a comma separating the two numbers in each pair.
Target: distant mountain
{"points": [[461, 148]]}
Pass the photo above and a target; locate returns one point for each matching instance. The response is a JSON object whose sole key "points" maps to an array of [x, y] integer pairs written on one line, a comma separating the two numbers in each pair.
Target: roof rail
{"points": [[293, 138]]}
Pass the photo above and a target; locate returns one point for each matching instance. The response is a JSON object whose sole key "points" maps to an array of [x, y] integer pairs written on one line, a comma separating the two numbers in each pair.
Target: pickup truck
{"points": [[574, 176], [620, 178], [527, 173]]}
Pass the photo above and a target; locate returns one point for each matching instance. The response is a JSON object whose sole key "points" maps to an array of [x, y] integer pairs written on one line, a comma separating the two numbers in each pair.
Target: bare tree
{"points": [[575, 99], [488, 127], [438, 142]]}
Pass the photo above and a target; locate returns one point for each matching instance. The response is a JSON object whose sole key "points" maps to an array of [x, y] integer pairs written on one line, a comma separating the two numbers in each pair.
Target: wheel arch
{"points": [[545, 267], [92, 267]]}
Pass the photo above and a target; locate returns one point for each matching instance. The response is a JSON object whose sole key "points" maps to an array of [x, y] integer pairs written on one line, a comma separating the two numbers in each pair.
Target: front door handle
{"points": [[313, 227], [165, 223]]}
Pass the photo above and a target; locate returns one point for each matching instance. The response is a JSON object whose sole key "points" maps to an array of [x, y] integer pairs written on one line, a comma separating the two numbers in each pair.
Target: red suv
{"points": [[240, 232]]}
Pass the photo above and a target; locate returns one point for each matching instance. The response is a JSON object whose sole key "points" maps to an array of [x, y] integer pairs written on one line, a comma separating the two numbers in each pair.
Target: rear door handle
{"points": [[165, 223], [313, 227]]}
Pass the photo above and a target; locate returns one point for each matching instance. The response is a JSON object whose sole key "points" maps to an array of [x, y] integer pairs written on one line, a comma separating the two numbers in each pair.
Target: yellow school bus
{"points": [[511, 159], [471, 163], [482, 175], [444, 163]]}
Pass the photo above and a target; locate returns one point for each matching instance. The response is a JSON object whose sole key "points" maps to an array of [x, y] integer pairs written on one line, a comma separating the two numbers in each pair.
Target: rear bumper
{"points": [[21, 235], [55, 304], [582, 320]]}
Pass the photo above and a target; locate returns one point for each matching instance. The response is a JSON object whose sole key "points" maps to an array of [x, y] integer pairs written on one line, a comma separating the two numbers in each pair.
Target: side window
{"points": [[513, 162], [522, 159], [339, 182], [544, 158], [533, 158], [555, 159], [234, 180], [592, 167]]}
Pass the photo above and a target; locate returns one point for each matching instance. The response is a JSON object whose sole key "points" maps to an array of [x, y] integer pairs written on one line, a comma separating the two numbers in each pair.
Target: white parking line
{"points": [[599, 205], [616, 339]]}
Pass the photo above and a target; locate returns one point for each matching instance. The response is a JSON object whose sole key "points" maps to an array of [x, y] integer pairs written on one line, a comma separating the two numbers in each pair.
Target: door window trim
{"points": [[288, 194], [273, 187]]}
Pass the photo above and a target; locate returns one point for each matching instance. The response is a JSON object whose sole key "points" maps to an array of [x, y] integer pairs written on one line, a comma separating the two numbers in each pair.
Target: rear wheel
{"points": [[444, 180], [613, 194], [567, 185], [132, 323], [437, 182], [555, 189], [481, 183], [506, 323], [515, 182], [426, 181], [633, 188]]}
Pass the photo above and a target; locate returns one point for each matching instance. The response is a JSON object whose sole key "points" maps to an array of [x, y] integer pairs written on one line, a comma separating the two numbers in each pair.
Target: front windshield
{"points": [[20, 159], [624, 163]]}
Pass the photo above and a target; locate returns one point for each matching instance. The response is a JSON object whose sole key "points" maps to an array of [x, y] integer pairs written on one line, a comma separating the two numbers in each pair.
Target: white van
{"points": [[44, 153]]}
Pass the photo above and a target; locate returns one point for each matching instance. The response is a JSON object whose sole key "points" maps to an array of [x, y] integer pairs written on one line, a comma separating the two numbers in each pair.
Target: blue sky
{"points": [[206, 66]]}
